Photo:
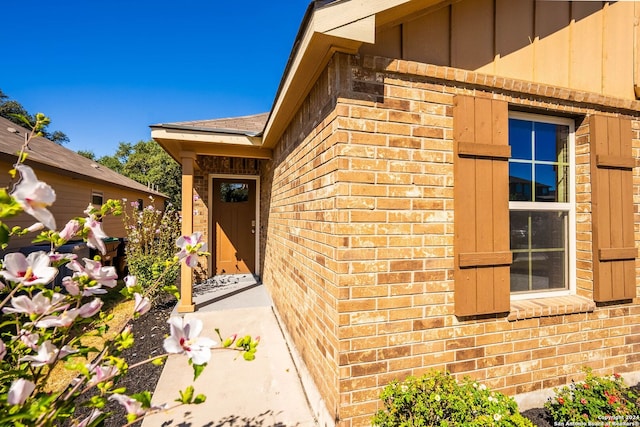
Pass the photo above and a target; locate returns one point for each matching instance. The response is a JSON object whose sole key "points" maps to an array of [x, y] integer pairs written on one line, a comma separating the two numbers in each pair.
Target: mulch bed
{"points": [[540, 417], [149, 331]]}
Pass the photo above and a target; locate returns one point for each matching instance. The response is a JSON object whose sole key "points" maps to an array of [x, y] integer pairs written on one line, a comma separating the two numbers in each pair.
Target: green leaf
{"points": [[197, 370], [8, 205], [97, 402], [158, 362], [186, 396], [4, 234], [199, 399], [144, 398]]}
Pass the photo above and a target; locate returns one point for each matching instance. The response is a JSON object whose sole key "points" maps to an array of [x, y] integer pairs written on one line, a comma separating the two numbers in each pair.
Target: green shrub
{"points": [[151, 241], [436, 399], [596, 399]]}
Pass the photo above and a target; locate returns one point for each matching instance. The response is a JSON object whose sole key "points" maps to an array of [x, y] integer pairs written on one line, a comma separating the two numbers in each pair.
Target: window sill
{"points": [[552, 306]]}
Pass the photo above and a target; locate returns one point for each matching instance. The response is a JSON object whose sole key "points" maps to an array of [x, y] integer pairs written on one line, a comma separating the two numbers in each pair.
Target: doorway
{"points": [[234, 225]]}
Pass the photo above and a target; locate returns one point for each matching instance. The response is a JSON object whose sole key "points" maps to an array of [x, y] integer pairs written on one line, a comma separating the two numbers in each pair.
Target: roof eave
{"points": [[318, 39], [205, 141], [339, 26]]}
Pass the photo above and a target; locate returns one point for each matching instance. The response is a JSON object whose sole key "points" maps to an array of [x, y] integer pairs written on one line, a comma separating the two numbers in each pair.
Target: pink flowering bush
{"points": [[41, 322], [151, 244]]}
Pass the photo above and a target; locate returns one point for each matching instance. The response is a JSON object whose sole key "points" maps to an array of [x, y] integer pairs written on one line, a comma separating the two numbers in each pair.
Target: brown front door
{"points": [[234, 220]]}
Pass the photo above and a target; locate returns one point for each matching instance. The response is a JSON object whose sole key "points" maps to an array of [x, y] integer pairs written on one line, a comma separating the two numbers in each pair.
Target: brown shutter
{"points": [[614, 250], [481, 206]]}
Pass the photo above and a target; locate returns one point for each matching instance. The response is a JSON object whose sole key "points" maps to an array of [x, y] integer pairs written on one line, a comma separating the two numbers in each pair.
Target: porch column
{"points": [[187, 159]]}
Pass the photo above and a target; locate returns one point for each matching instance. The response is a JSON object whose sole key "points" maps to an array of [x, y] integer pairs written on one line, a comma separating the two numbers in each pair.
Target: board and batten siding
{"points": [[555, 43], [72, 198]]}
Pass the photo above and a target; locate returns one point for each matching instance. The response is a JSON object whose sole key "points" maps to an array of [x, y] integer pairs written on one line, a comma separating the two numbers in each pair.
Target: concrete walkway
{"points": [[264, 392]]}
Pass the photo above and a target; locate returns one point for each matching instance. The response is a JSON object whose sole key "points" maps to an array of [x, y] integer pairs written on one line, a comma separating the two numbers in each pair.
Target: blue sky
{"points": [[103, 71]]}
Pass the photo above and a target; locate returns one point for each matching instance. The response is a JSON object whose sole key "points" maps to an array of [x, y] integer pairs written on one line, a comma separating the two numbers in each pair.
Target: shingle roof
{"points": [[250, 125], [53, 156]]}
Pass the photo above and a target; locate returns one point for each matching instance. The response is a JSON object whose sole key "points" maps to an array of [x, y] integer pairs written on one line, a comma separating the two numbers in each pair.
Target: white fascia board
{"points": [[341, 14], [363, 30], [322, 39]]}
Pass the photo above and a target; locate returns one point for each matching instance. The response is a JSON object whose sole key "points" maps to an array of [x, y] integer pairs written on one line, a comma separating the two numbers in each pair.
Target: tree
{"points": [[13, 110], [88, 154], [147, 163]]}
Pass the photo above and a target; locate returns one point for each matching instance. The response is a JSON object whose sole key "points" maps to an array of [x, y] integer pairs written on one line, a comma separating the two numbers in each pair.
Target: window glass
{"points": [[538, 160], [520, 139], [231, 192], [539, 194], [520, 183], [97, 199], [538, 243]]}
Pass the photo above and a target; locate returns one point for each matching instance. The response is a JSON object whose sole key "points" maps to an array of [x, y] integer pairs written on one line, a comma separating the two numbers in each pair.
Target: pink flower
{"points": [[91, 308], [35, 196], [48, 354], [101, 373], [19, 391], [56, 257], [130, 281], [142, 304], [189, 248], [29, 339], [95, 234], [184, 339], [30, 270], [35, 227], [72, 287], [103, 276], [95, 413], [583, 401], [64, 320], [70, 230], [40, 304], [132, 406]]}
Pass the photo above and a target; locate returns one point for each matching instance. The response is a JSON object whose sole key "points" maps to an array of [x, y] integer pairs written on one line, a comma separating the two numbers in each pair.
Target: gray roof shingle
{"points": [[251, 125]]}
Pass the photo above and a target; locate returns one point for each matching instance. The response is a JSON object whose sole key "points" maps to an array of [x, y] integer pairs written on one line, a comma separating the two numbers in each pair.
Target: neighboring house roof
{"points": [[48, 155]]}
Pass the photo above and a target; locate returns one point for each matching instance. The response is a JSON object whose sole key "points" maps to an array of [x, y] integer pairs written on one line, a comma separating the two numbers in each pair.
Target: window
{"points": [[541, 205], [231, 192], [97, 199]]}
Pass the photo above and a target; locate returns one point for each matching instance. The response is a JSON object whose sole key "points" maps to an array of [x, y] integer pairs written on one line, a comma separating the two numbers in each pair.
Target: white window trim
{"points": [[571, 242]]}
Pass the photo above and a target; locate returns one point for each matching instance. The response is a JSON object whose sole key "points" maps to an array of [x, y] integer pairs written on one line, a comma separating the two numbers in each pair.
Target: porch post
{"points": [[187, 158]]}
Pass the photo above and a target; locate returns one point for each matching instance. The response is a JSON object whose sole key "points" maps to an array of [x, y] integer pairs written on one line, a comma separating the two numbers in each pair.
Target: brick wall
{"points": [[359, 231], [299, 236]]}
